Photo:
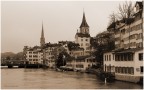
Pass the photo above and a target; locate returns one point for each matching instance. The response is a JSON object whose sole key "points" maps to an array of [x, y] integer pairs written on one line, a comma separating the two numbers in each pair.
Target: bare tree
{"points": [[113, 18], [126, 11]]}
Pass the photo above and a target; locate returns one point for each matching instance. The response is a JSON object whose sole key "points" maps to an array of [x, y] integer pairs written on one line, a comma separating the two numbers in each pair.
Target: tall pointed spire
{"points": [[84, 23], [42, 39], [42, 33]]}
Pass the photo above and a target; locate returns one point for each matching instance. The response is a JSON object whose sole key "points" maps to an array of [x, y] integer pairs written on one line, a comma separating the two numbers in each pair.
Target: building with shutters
{"points": [[126, 60]]}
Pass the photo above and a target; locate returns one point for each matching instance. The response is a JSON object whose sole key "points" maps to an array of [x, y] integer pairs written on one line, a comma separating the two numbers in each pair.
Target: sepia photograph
{"points": [[73, 44]]}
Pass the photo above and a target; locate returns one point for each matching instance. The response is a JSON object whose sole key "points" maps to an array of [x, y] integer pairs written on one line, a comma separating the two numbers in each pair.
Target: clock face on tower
{"points": [[86, 30]]}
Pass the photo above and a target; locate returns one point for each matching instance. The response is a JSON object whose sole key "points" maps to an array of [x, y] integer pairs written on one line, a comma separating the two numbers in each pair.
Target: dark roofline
{"points": [[131, 50], [140, 4], [82, 35]]}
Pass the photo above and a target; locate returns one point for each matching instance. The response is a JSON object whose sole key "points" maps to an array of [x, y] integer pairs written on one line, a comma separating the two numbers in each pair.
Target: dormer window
{"points": [[137, 8]]}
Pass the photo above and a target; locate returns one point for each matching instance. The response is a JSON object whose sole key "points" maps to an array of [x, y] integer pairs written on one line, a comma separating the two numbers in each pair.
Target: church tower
{"points": [[82, 37], [42, 39], [84, 27]]}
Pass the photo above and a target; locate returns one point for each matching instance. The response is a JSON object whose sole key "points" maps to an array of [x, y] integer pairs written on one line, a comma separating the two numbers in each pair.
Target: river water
{"points": [[17, 78]]}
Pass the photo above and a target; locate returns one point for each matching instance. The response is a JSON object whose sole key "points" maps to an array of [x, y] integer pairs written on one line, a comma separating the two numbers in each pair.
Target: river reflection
{"points": [[49, 79]]}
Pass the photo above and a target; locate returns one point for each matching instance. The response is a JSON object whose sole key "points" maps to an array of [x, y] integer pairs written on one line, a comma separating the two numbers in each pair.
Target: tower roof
{"points": [[84, 23], [42, 39], [42, 33]]}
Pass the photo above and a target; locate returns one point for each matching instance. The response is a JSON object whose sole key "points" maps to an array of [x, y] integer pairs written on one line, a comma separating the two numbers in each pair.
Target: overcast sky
{"points": [[21, 21]]}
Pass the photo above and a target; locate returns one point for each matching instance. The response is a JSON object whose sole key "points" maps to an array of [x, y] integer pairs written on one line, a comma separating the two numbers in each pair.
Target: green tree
{"points": [[72, 45], [103, 42]]}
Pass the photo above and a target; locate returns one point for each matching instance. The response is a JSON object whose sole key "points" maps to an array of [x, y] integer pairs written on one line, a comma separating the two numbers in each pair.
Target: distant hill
{"points": [[7, 54], [12, 55]]}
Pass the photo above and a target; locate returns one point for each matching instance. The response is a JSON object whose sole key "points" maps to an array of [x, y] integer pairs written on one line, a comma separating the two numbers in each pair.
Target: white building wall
{"points": [[86, 64], [138, 64], [34, 57], [50, 60], [109, 61], [84, 42]]}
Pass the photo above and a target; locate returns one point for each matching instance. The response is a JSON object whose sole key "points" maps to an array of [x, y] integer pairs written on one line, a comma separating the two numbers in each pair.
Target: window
{"points": [[118, 57], [79, 66], [129, 70], [113, 56], [121, 57], [122, 70], [132, 70], [131, 57], [140, 44], [109, 57], [123, 31], [87, 48], [137, 8], [119, 69], [105, 57], [86, 39], [30, 55], [87, 44], [128, 57], [35, 56], [81, 44], [141, 69], [30, 52], [81, 39], [81, 53], [125, 57], [140, 56], [126, 69], [116, 69], [34, 52], [140, 35]]}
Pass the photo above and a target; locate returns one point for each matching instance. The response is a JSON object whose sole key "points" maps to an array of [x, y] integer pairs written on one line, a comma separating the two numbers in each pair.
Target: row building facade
{"points": [[126, 60], [47, 53]]}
